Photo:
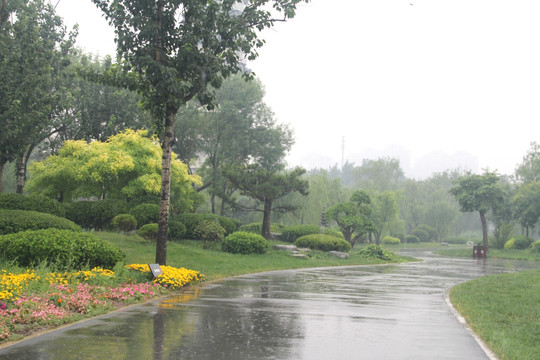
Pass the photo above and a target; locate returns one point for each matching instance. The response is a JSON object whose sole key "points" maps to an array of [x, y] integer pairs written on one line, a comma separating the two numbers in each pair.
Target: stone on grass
{"points": [[339, 254]]}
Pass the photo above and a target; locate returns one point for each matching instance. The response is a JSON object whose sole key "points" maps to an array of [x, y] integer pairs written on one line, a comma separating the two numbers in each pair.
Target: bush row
{"points": [[12, 221], [39, 203], [63, 249], [323, 242]]}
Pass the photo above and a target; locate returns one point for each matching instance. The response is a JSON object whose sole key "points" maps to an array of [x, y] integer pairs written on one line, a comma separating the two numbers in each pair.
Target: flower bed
{"points": [[29, 302]]}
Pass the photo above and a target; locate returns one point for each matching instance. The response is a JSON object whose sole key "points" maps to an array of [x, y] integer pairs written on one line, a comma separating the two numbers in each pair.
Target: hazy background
{"points": [[438, 84]]}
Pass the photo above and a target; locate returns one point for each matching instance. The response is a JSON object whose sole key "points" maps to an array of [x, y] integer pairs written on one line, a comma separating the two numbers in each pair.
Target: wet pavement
{"points": [[368, 312]]}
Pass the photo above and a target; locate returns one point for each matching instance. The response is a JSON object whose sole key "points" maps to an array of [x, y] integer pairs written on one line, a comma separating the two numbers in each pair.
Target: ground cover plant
{"points": [[504, 310], [31, 300]]}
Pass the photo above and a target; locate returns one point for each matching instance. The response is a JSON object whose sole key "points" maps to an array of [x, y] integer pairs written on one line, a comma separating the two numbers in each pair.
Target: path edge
{"points": [[463, 322]]}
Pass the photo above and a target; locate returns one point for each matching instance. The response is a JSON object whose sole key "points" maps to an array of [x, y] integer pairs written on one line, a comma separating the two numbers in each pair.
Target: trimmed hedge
{"points": [[191, 221], [104, 211], [243, 242], [256, 228], [535, 247], [148, 232], [63, 249], [13, 221], [323, 242], [519, 242], [80, 212], [39, 203], [389, 240], [145, 214], [124, 222], [177, 230], [411, 239], [291, 233]]}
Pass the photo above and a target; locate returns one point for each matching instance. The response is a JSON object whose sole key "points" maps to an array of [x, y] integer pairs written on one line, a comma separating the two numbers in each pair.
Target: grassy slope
{"points": [[216, 264], [504, 310]]}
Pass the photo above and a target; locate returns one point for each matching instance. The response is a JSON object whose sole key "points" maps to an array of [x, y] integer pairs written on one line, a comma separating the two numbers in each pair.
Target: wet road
{"points": [[372, 312]]}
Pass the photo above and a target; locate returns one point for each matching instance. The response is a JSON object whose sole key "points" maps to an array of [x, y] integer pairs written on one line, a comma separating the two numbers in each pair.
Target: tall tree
{"points": [[527, 205], [529, 170], [34, 46], [384, 211], [479, 193], [171, 52], [266, 186]]}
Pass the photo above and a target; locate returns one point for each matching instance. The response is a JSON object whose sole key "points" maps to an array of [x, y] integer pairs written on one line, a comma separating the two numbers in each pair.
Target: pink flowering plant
{"points": [[30, 301]]}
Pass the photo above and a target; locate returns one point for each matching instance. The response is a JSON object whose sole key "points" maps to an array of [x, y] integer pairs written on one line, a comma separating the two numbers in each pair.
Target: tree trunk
{"points": [[484, 229], [266, 219], [213, 203], [163, 224], [21, 168], [2, 167]]}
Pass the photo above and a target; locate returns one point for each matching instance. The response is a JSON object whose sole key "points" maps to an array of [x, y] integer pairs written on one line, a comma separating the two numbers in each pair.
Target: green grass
{"points": [[216, 264], [493, 253], [504, 310]]}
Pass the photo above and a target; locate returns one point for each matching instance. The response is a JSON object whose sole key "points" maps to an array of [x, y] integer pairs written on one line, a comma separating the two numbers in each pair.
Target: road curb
{"points": [[463, 322]]}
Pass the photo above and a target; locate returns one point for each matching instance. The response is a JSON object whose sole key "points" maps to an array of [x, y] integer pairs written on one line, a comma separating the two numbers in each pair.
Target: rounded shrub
{"points": [[433, 234], [64, 249], [39, 203], [422, 235], [191, 221], [389, 240], [145, 214], [148, 232], [323, 242], [104, 211], [535, 247], [332, 232], [12, 221], [124, 222], [291, 233], [209, 231], [242, 242], [411, 239], [80, 212], [177, 230]]}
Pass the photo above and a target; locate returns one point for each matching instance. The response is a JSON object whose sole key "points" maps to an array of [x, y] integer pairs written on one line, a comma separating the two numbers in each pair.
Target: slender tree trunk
{"points": [[484, 229], [163, 224], [21, 168], [266, 219], [213, 202], [2, 167]]}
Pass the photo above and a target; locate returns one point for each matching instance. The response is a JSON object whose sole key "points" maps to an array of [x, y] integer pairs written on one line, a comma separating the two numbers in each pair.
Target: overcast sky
{"points": [[438, 83]]}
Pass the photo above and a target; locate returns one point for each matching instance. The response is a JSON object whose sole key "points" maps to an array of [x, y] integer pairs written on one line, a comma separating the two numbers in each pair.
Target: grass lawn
{"points": [[493, 253], [216, 264], [504, 310]]}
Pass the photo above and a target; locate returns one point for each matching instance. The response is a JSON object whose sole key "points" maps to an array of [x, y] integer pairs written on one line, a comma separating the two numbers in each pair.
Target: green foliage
{"points": [[242, 242], [191, 221], [535, 247], [124, 222], [291, 233], [63, 249], [12, 221], [432, 234], [376, 252], [104, 211], [145, 214], [332, 232], [411, 239], [422, 235], [148, 232], [502, 235], [458, 240], [323, 242], [209, 231], [256, 228], [80, 212], [177, 230], [389, 240], [39, 203], [519, 242]]}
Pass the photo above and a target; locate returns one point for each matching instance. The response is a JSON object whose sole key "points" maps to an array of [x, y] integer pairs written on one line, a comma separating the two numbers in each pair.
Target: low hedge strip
{"points": [[13, 221], [323, 242]]}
